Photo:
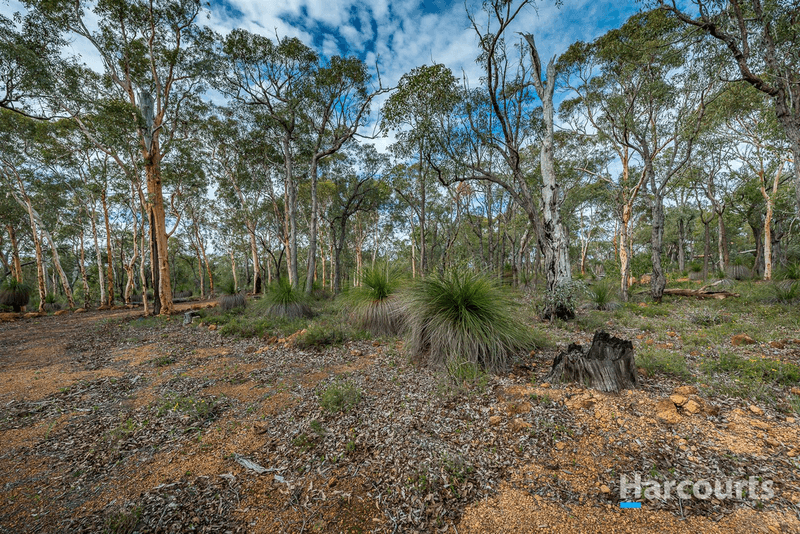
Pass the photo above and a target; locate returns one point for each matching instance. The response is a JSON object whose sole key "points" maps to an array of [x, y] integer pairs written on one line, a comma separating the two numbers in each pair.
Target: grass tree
{"points": [[375, 304], [463, 317]]}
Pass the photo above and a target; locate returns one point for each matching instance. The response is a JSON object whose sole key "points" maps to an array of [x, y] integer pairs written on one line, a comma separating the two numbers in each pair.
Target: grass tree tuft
{"points": [[463, 317], [231, 298], [14, 294], [375, 304], [283, 300]]}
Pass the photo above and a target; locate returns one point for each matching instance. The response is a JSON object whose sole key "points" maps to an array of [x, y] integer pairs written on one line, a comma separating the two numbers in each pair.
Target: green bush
{"points": [[339, 396], [15, 294], [753, 369], [602, 295], [375, 304], [663, 361], [463, 316], [785, 291], [283, 300]]}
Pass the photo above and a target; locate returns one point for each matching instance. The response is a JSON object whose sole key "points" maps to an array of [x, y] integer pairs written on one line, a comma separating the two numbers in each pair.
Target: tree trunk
{"points": [[17, 264], [312, 230], [658, 280], [609, 365], [256, 265], [722, 243], [554, 240], [40, 275], [624, 249], [82, 266], [291, 213], [98, 255], [706, 247], [109, 265], [681, 245], [233, 270]]}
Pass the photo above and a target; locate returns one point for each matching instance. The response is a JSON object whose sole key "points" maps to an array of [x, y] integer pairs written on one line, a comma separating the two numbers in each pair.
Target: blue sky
{"points": [[399, 35]]}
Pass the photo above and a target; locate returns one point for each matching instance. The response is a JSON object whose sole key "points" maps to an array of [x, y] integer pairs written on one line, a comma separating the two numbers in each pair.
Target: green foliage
{"points": [[200, 410], [663, 361], [710, 317], [786, 291], [562, 301], [339, 396], [286, 301], [123, 522], [790, 272], [466, 372], [753, 369], [227, 287], [375, 304], [15, 294], [602, 295], [462, 316]]}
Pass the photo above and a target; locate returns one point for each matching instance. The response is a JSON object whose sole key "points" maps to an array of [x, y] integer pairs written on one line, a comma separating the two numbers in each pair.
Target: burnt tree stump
{"points": [[608, 365]]}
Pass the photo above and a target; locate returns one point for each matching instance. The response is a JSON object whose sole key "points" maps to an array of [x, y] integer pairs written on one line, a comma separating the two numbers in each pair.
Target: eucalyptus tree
{"points": [[763, 153], [421, 96], [154, 56], [336, 106], [762, 40], [273, 77], [645, 89], [357, 185], [29, 57]]}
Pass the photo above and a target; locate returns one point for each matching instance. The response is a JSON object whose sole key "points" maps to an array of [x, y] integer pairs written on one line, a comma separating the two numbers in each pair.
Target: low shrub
{"points": [[339, 396], [283, 300], [462, 316], [663, 361], [375, 304], [229, 302], [15, 294], [602, 295]]}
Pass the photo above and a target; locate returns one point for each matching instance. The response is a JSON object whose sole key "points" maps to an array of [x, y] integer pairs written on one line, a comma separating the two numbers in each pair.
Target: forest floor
{"points": [[112, 422]]}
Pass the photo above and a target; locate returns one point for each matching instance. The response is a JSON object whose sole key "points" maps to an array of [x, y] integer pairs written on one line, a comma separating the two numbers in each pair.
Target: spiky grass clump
{"points": [[229, 302], [283, 300], [375, 304], [603, 295], [463, 316], [785, 291], [15, 294]]}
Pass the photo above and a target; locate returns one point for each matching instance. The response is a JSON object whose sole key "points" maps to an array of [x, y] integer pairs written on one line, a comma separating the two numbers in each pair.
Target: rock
{"points": [[561, 445], [666, 412], [645, 279], [545, 385], [771, 442], [678, 400], [692, 407], [639, 336], [790, 420], [61, 312], [742, 339], [761, 425], [583, 402], [777, 345], [212, 327], [519, 424], [649, 342], [80, 310], [671, 334], [756, 410], [686, 390], [605, 489], [31, 315], [795, 391], [9, 316], [514, 408], [495, 420], [793, 453]]}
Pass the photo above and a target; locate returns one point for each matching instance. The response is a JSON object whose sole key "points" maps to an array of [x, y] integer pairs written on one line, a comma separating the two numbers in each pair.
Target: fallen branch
{"points": [[700, 293]]}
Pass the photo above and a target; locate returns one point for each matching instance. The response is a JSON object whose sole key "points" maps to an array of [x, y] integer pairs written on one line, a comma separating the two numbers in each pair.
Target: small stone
{"points": [[792, 453], [495, 420], [605, 489], [544, 385], [756, 410], [795, 391], [666, 412], [649, 342], [212, 327], [771, 442], [639, 336], [776, 345], [790, 420], [519, 424], [61, 312], [561, 445], [514, 408], [686, 390], [678, 400], [532, 353], [80, 310], [671, 334], [692, 407], [31, 315], [742, 339]]}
